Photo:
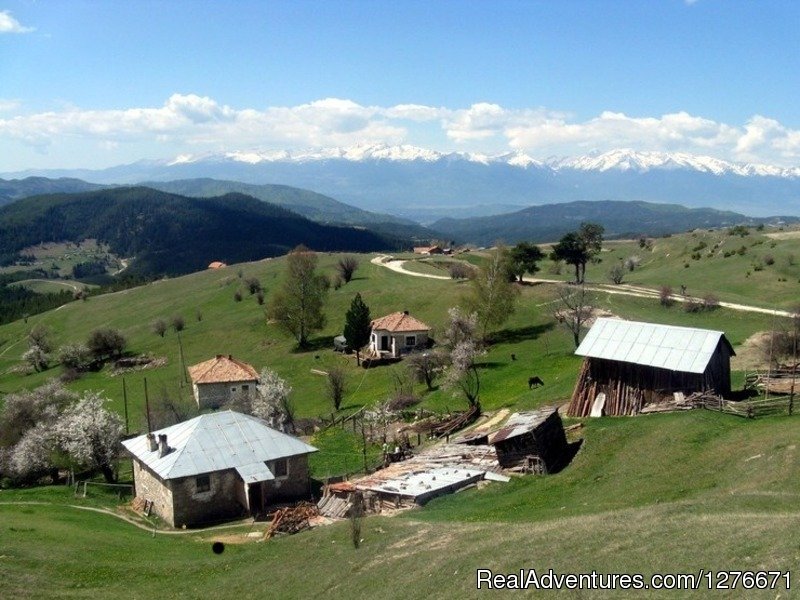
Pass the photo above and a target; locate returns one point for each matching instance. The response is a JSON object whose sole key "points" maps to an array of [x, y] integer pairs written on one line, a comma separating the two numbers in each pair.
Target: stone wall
{"points": [[150, 486], [214, 395], [296, 485], [224, 499]]}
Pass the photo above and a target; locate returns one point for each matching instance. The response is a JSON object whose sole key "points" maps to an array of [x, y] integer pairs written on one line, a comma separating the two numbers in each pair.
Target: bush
{"points": [[459, 270], [616, 274], [106, 343], [665, 295], [769, 259], [346, 267], [260, 298], [237, 296], [159, 327], [253, 285], [75, 357], [710, 302], [693, 306], [177, 322]]}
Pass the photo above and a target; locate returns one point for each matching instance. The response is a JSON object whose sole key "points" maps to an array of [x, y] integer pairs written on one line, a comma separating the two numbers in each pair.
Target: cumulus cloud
{"points": [[193, 123], [9, 24]]}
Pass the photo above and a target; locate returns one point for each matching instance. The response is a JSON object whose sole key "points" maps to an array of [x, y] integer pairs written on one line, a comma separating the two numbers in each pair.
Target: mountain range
{"points": [[424, 185]]}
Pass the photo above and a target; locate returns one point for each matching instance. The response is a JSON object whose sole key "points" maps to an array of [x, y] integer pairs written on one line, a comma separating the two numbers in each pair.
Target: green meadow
{"points": [[660, 493]]}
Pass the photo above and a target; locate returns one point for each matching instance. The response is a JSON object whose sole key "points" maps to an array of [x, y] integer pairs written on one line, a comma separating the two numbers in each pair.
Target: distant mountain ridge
{"points": [[172, 234], [424, 185], [621, 219]]}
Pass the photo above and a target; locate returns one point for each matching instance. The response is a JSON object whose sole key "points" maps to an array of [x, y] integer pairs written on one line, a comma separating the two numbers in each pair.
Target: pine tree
{"points": [[357, 326]]}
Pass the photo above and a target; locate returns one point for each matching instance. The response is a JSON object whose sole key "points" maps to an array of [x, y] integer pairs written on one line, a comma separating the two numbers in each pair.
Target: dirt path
{"points": [[127, 519], [622, 289]]}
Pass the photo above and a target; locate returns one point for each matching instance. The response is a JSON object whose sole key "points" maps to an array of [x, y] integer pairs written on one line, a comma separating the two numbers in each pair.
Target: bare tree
{"points": [[178, 323], [346, 267], [335, 384], [665, 295], [573, 311], [426, 366]]}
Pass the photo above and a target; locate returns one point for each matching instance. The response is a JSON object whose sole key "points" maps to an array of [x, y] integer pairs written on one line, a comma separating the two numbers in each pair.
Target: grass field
{"points": [[663, 493]]}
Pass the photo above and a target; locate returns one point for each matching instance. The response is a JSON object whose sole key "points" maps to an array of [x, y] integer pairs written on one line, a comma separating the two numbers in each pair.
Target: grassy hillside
{"points": [[664, 493], [240, 328]]}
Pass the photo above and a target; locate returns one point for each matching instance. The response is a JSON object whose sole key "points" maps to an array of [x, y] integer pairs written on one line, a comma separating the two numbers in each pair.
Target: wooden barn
{"points": [[629, 364]]}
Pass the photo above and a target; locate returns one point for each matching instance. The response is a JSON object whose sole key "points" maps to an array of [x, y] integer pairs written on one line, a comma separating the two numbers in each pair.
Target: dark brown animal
{"points": [[534, 382]]}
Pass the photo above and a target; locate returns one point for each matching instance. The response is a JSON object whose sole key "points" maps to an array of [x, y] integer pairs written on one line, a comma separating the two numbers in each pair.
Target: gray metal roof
{"points": [[664, 346], [215, 442]]}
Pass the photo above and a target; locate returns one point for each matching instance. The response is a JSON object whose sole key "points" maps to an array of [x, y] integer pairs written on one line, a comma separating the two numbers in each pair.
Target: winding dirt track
{"points": [[623, 289]]}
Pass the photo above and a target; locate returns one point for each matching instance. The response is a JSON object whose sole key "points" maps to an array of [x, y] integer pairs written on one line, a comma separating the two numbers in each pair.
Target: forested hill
{"points": [[14, 189], [171, 234], [621, 219]]}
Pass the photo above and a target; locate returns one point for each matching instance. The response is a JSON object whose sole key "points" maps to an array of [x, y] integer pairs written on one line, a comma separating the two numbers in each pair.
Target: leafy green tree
{"points": [[298, 303], [106, 343], [493, 297], [579, 247], [524, 258], [357, 326]]}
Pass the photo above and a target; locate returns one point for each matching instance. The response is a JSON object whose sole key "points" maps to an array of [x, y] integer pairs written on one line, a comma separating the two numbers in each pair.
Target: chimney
{"points": [[219, 356], [230, 356], [405, 312], [163, 448], [152, 445]]}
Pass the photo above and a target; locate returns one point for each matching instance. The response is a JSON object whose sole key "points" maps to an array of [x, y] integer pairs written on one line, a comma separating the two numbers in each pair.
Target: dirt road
{"points": [[623, 289]]}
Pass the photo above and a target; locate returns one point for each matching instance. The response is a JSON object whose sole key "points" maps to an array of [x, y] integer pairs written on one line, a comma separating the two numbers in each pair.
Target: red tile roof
{"points": [[399, 322], [222, 369], [217, 265]]}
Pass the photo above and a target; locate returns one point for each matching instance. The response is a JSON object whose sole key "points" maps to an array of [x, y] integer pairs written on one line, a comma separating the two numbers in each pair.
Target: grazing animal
{"points": [[534, 382]]}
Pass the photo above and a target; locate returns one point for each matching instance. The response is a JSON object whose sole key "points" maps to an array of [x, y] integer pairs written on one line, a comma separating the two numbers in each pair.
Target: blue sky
{"points": [[91, 84]]}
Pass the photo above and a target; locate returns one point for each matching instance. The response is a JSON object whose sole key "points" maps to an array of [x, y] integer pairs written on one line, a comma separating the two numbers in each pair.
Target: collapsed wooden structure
{"points": [[532, 440], [629, 365]]}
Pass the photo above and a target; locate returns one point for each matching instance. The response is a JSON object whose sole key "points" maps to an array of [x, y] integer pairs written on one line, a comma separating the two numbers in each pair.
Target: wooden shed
{"points": [[629, 364], [535, 437]]}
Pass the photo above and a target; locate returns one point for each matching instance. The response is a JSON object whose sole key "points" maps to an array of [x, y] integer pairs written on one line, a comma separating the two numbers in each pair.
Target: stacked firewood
{"points": [[292, 519]]}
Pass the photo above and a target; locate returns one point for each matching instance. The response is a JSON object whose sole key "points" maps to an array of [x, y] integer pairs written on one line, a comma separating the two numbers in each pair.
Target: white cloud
{"points": [[9, 24], [190, 123]]}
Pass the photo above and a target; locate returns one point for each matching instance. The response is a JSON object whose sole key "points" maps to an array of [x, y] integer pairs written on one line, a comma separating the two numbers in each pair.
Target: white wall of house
{"points": [[396, 344]]}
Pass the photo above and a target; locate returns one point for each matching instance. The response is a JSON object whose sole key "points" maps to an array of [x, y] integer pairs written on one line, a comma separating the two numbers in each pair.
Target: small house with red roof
{"points": [[397, 334], [221, 379]]}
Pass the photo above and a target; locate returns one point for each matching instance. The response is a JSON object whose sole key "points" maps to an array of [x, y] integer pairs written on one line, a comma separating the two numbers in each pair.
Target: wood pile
{"points": [[334, 507], [292, 519], [778, 381], [455, 423]]}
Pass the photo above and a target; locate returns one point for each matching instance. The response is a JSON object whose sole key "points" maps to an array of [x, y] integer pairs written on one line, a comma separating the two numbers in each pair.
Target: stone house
{"points": [[217, 466], [219, 380], [397, 334]]}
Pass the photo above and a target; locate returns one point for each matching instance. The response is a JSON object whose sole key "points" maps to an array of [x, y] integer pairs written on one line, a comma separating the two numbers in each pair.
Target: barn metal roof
{"points": [[663, 346], [216, 442]]}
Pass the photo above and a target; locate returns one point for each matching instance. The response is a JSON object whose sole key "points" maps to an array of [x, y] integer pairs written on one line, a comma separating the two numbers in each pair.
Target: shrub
{"points": [[106, 343], [692, 306], [75, 357], [346, 267], [237, 296], [665, 295], [769, 259], [616, 274], [159, 327], [177, 322], [260, 298], [710, 302], [253, 285], [459, 270]]}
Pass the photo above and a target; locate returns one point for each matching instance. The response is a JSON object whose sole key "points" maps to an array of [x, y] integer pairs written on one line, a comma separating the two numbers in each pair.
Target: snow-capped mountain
{"points": [[423, 184], [619, 160]]}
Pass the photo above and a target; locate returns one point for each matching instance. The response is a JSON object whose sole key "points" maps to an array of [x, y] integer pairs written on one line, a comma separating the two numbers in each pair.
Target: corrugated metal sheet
{"points": [[254, 472], [664, 346], [521, 423], [215, 442]]}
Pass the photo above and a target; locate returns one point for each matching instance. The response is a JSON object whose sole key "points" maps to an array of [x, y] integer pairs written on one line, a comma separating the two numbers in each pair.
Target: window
{"points": [[245, 388], [203, 483], [280, 467], [411, 340]]}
